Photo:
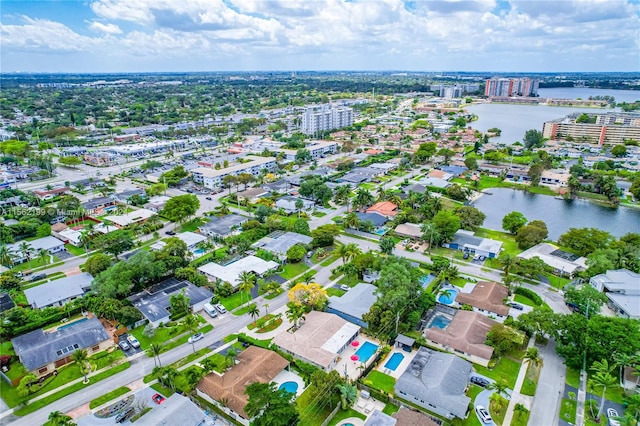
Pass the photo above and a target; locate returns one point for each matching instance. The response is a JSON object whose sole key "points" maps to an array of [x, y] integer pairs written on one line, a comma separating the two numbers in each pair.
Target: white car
{"points": [[220, 308], [483, 414], [345, 287], [195, 337], [612, 413], [133, 341]]}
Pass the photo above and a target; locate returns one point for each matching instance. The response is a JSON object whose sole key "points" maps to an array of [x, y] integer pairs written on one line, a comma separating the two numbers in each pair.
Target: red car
{"points": [[157, 398]]}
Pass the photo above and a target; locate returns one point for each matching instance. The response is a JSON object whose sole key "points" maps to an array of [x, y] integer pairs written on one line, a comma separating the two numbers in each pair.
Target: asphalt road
{"points": [[546, 404]]}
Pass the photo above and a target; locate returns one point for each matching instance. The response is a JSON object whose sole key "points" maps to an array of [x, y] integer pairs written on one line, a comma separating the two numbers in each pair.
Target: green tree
{"points": [[246, 281], [513, 221], [179, 304], [500, 387], [531, 234], [504, 339], [533, 138], [532, 356], [619, 151], [303, 156], [585, 296], [348, 394], [269, 406], [387, 244], [81, 358], [115, 242], [154, 350], [323, 236], [447, 224], [70, 161], [602, 379], [181, 207], [254, 312], [471, 163], [296, 253], [57, 418], [97, 263], [191, 323], [363, 199], [470, 217]]}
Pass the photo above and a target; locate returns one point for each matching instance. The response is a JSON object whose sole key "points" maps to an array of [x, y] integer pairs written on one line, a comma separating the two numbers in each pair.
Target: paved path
{"points": [[516, 396], [546, 405]]}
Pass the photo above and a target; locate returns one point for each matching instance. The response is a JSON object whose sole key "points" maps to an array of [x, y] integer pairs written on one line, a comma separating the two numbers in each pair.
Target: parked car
{"points": [[133, 341], [516, 306], [480, 381], [483, 414], [171, 232], [611, 412], [38, 276], [124, 345], [208, 198], [481, 258], [221, 308], [345, 287], [209, 309], [195, 337], [120, 418], [157, 398], [465, 255]]}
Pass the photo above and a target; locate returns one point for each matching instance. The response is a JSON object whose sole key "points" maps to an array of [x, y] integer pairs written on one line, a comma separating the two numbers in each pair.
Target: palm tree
{"points": [[352, 250], [342, 252], [299, 205], [58, 418], [602, 379], [155, 349], [266, 309], [532, 356], [500, 388], [363, 199], [429, 233], [170, 373], [231, 355], [633, 405], [506, 262], [295, 313], [247, 281], [254, 312], [308, 276], [26, 250], [208, 365], [7, 256], [348, 394], [622, 360], [191, 323], [351, 220], [80, 357]]}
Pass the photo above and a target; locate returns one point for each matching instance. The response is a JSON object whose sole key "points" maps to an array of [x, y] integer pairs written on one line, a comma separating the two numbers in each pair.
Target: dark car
{"points": [[480, 381], [171, 232], [516, 306], [120, 418], [208, 198], [465, 255]]}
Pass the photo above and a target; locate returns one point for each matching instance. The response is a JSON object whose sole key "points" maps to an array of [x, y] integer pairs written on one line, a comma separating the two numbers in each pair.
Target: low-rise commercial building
{"points": [[213, 179]]}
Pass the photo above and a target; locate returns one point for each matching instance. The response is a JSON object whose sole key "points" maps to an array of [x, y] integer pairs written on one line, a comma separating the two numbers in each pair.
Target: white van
{"points": [[208, 308]]}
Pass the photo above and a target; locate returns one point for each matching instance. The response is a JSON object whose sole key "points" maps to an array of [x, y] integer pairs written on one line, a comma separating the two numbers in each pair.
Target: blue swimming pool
{"points": [[425, 280], [198, 251], [291, 387], [71, 324], [380, 231], [366, 350], [440, 321], [448, 295], [394, 361]]}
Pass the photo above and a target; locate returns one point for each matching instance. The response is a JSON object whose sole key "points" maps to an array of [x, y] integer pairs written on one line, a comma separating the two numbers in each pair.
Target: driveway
{"points": [[546, 404]]}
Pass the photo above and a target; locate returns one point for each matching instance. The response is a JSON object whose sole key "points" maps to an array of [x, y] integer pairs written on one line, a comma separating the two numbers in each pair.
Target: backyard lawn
{"points": [[524, 300], [345, 414], [312, 412], [292, 270], [76, 251], [380, 381], [506, 369], [508, 241], [235, 300], [531, 381]]}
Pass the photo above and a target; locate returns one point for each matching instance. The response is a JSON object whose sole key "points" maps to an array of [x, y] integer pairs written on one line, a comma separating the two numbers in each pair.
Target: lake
{"points": [[559, 215], [514, 120]]}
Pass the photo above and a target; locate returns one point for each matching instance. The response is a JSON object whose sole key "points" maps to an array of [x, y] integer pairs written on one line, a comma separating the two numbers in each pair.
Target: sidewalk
{"points": [[582, 396], [516, 396]]}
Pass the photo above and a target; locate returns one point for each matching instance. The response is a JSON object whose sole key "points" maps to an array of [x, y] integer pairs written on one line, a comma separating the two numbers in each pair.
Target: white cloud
{"points": [[105, 28], [43, 35]]}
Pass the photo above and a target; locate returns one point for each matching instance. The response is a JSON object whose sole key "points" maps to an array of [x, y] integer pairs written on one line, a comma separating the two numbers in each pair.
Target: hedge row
{"points": [[529, 294]]}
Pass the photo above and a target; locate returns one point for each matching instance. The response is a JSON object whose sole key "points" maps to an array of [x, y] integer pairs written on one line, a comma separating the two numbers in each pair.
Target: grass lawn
{"points": [[573, 377], [109, 396], [568, 410], [508, 241], [381, 381], [498, 411], [6, 348], [507, 369], [33, 263], [531, 381], [244, 309], [318, 214], [524, 300], [162, 390], [292, 270], [389, 409], [192, 225], [76, 251], [235, 300], [350, 280], [345, 414], [557, 282], [311, 412], [329, 260], [520, 417], [332, 291]]}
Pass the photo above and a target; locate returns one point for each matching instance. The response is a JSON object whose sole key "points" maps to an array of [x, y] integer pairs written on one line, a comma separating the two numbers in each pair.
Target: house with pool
{"points": [[461, 332], [352, 305], [486, 298], [253, 365]]}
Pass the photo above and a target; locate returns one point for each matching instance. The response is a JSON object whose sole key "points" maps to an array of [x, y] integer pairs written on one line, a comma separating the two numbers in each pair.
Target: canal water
{"points": [[559, 215], [514, 120]]}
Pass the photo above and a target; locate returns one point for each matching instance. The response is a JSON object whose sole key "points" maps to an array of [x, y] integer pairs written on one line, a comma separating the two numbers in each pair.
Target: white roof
{"points": [[71, 235], [340, 338], [132, 217], [544, 250], [231, 272], [58, 290], [191, 238], [46, 243], [238, 168]]}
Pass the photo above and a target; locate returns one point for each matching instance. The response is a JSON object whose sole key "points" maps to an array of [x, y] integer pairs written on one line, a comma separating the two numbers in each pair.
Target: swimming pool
{"points": [[366, 350], [71, 324], [291, 387], [448, 295], [380, 231], [440, 321], [426, 280], [198, 251], [394, 361]]}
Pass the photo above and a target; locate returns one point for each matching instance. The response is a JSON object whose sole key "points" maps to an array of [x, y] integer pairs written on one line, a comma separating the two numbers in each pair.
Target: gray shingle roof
{"points": [[38, 348], [58, 290], [355, 302], [222, 225], [438, 379], [375, 218]]}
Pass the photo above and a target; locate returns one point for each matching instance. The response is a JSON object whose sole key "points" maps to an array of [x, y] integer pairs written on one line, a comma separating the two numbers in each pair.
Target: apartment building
{"points": [[608, 128], [325, 117], [212, 178], [498, 86]]}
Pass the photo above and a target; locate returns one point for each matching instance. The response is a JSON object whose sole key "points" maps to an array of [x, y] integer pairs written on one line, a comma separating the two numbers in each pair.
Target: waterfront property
{"points": [[561, 261], [41, 352], [607, 127], [253, 365], [58, 292], [352, 305], [467, 241], [486, 298], [622, 288], [437, 382]]}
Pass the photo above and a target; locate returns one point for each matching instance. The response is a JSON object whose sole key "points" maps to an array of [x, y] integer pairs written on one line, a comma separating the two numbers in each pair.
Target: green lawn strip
{"points": [[530, 381], [573, 377], [328, 261], [183, 339], [162, 390], [235, 300], [191, 357], [348, 413], [557, 282], [509, 243], [473, 391], [520, 417], [524, 300], [332, 291], [380, 381], [192, 225], [6, 348], [350, 280], [311, 412], [36, 405], [109, 396], [568, 410], [389, 409], [498, 415], [318, 214], [140, 414], [162, 334], [76, 251], [292, 270], [244, 310], [506, 369]]}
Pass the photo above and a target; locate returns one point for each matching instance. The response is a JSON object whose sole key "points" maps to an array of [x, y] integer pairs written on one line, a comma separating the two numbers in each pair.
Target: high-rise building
{"points": [[325, 117], [499, 86]]}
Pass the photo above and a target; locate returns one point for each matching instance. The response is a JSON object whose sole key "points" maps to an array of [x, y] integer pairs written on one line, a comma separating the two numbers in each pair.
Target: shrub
{"points": [[529, 294]]}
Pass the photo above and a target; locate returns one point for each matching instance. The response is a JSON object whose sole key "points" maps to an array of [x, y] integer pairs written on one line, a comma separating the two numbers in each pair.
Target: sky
{"points": [[282, 35]]}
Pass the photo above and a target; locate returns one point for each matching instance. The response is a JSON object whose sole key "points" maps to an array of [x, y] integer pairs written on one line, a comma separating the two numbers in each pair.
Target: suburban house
{"points": [[561, 261], [50, 244], [231, 272], [465, 335], [136, 216], [253, 365], [376, 219], [416, 187], [67, 235], [5, 302], [222, 226], [352, 305], [58, 292], [410, 230], [551, 178], [97, 206], [50, 194], [288, 204], [466, 241], [320, 340], [280, 186], [279, 242], [179, 410], [384, 208], [486, 298], [125, 196], [622, 288], [252, 194], [155, 204], [42, 352], [154, 302], [436, 381]]}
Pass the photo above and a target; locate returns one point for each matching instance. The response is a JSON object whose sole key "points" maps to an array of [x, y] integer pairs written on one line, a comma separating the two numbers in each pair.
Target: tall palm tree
{"points": [[602, 379], [7, 256], [247, 281], [348, 394], [633, 405], [154, 350], [500, 387], [295, 313], [351, 220], [622, 360], [170, 374], [342, 252], [352, 250], [429, 233], [231, 355], [506, 262], [532, 356], [254, 312], [26, 249], [80, 357], [363, 199], [191, 323]]}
